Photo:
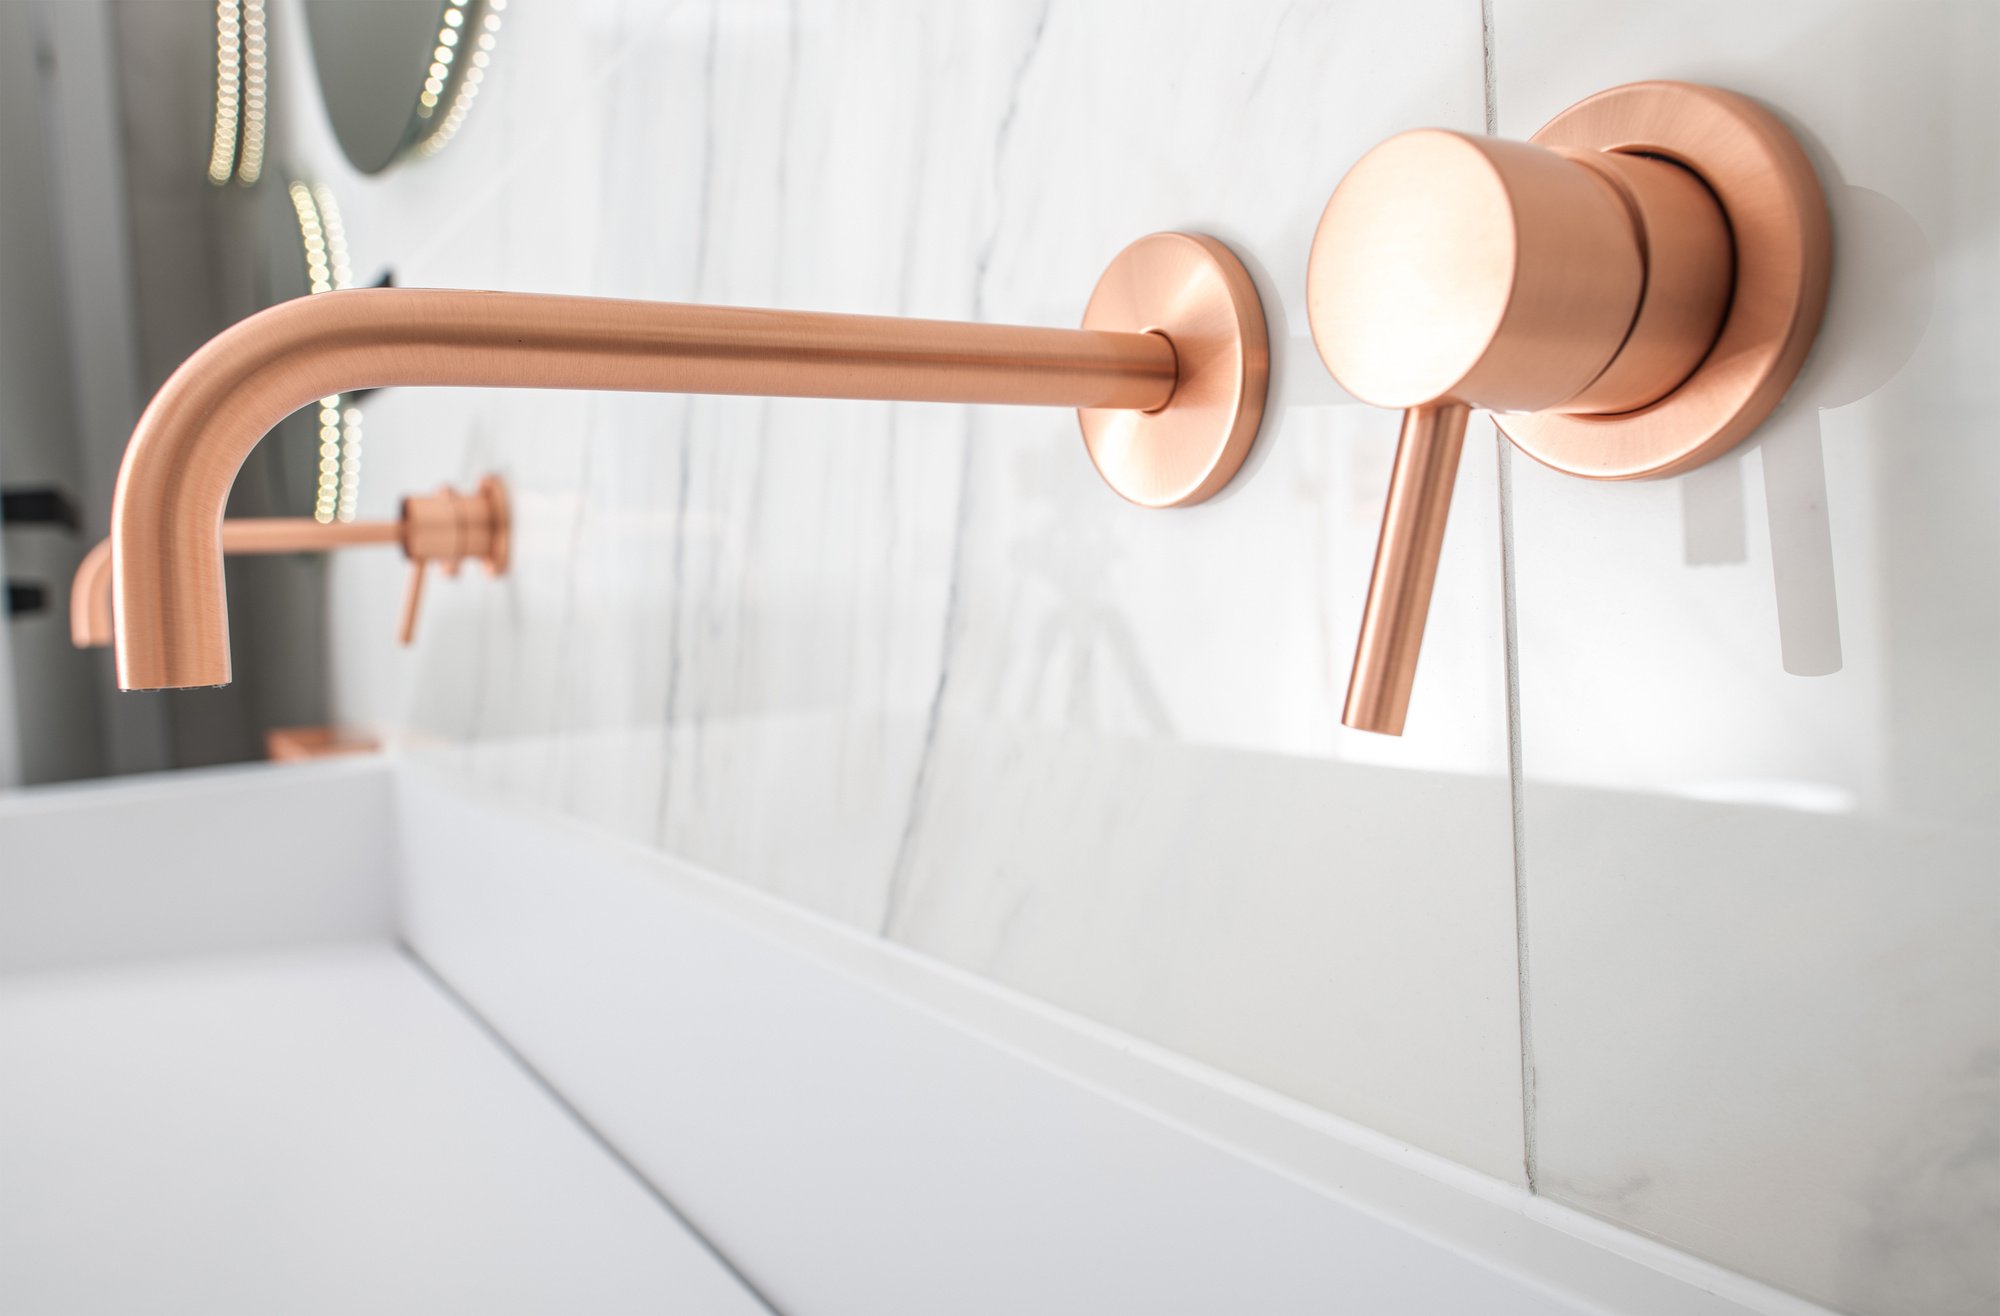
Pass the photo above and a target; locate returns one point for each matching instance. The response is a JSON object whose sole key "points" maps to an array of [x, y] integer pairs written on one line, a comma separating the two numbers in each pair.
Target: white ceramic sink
{"points": [[349, 1038]]}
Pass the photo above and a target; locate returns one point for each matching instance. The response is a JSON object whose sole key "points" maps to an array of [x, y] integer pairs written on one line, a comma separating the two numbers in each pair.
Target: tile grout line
{"points": [[1510, 645]]}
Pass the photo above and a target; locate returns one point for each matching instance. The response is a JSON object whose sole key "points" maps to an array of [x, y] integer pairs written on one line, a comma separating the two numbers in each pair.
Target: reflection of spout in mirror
{"points": [[1878, 308]]}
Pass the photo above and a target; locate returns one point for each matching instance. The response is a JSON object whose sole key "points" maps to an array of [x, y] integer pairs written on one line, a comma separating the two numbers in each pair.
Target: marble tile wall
{"points": [[1761, 806], [915, 668]]}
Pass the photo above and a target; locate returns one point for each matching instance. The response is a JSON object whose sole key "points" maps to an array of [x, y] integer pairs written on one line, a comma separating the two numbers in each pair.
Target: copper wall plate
{"points": [[500, 528], [1193, 290], [1783, 246]]}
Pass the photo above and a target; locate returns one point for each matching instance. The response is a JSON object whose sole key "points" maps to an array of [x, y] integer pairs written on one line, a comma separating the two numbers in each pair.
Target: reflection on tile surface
{"points": [[1764, 1014]]}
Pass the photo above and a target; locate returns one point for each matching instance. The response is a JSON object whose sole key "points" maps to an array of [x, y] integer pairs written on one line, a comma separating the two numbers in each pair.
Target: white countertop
{"points": [[315, 1129], [251, 1061]]}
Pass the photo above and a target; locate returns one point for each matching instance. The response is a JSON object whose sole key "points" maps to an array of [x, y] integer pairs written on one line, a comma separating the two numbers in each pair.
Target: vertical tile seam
{"points": [[1510, 648]]}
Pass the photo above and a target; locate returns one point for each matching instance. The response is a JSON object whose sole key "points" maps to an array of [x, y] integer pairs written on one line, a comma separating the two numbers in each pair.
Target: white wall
{"points": [[914, 667]]}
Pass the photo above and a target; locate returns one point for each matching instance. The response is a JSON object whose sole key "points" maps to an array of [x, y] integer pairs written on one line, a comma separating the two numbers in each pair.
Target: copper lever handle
{"points": [[413, 598], [1406, 562], [445, 529], [1632, 297]]}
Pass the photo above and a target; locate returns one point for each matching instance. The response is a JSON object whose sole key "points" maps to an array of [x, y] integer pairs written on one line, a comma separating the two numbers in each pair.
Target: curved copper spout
{"points": [[90, 599], [90, 613], [171, 621]]}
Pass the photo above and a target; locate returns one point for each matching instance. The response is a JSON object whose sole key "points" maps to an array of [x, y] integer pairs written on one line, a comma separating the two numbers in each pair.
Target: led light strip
{"points": [[250, 160], [228, 90], [327, 268], [465, 44], [240, 93]]}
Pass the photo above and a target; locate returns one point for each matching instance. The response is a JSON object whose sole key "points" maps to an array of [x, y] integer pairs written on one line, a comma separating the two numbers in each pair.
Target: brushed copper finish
{"points": [[1631, 294], [1782, 243], [1406, 562], [304, 744], [1455, 268], [1689, 268], [172, 624], [1193, 291], [445, 528]]}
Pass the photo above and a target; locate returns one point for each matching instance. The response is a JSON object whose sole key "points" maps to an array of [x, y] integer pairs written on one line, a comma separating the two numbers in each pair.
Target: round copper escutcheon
{"points": [[1782, 242], [499, 535], [1195, 292]]}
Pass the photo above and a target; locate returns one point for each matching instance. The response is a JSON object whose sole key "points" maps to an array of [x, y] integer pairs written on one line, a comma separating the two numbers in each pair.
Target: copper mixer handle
{"points": [[413, 599], [1406, 565]]}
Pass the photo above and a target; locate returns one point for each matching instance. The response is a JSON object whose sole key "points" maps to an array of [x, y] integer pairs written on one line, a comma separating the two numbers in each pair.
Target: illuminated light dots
{"points": [[350, 464], [319, 274], [324, 238], [228, 90], [455, 75], [236, 149], [327, 503], [250, 161], [340, 272]]}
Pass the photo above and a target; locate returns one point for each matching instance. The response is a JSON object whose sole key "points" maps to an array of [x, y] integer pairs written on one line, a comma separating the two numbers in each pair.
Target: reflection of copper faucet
{"points": [[445, 528], [1168, 374]]}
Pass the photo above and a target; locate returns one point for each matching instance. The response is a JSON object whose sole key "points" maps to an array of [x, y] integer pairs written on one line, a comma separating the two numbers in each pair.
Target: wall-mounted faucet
{"points": [[1632, 294], [445, 529], [1168, 375]]}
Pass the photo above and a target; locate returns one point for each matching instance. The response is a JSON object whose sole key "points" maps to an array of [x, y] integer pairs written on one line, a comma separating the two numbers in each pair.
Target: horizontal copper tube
{"points": [[90, 612], [247, 535], [172, 622]]}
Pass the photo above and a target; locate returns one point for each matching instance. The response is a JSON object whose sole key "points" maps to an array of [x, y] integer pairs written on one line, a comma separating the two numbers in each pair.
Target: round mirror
{"points": [[399, 76]]}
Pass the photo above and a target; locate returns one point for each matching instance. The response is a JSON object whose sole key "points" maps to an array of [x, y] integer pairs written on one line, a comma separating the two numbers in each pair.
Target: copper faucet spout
{"points": [[90, 599], [171, 621]]}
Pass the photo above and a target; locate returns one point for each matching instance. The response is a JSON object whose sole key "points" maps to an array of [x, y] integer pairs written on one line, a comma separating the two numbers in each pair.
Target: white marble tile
{"points": [[1759, 714], [807, 644]]}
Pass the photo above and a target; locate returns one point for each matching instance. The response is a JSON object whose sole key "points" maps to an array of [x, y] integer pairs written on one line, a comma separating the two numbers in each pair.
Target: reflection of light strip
{"points": [[327, 504], [1771, 792], [238, 145], [325, 239], [350, 463], [338, 270], [228, 72], [319, 274], [458, 65]]}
